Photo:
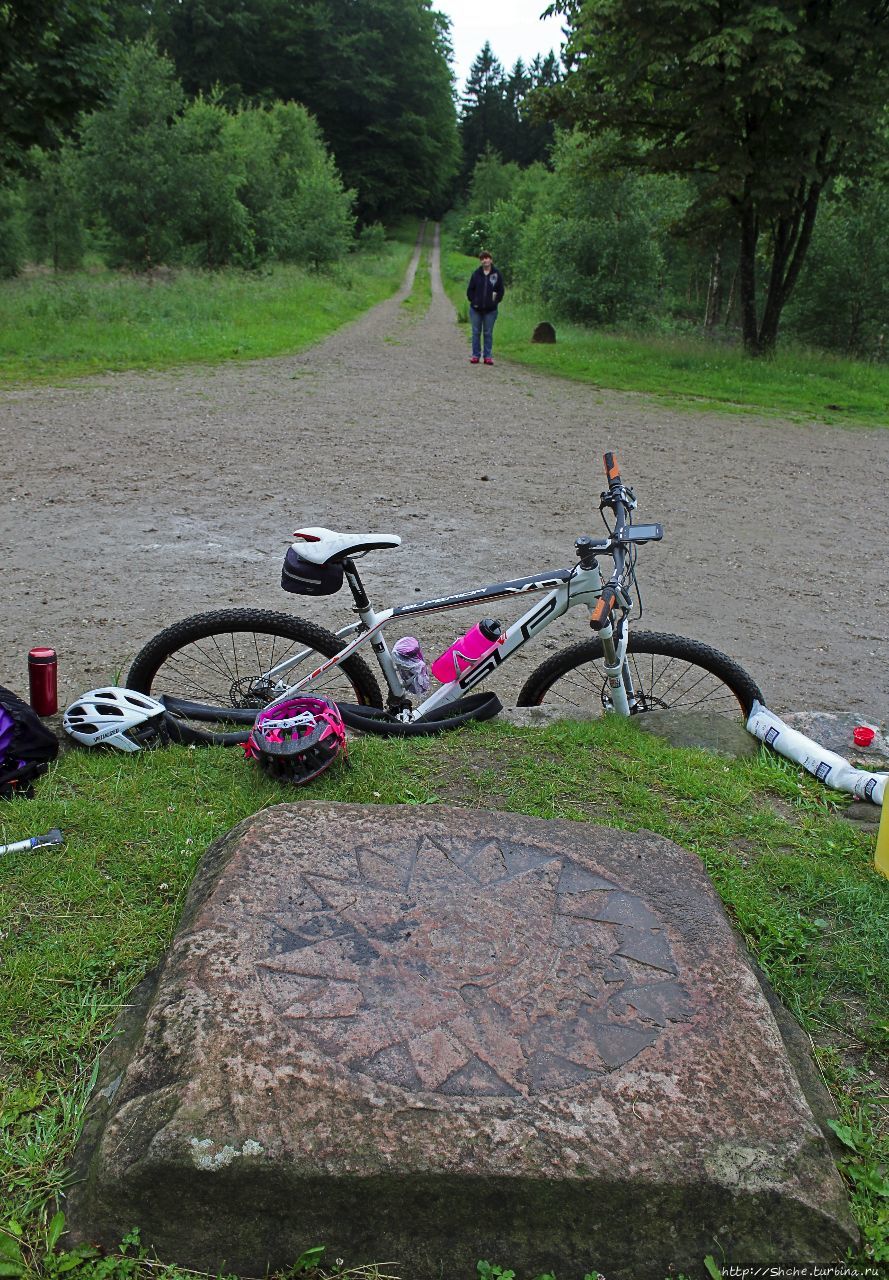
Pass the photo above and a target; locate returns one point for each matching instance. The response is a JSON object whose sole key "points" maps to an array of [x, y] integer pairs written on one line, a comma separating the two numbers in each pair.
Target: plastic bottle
{"points": [[478, 642], [410, 664], [43, 665], [828, 767]]}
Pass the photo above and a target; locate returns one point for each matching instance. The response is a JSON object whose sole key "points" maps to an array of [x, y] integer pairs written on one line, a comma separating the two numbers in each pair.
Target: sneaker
{"points": [[473, 359], [488, 360]]}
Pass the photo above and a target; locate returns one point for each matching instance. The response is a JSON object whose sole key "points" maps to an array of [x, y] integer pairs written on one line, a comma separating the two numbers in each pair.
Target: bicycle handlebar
{"points": [[602, 608], [612, 471], [618, 497], [621, 500]]}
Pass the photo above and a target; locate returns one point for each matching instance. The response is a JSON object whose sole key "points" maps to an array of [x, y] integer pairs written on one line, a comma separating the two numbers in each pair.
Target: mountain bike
{"points": [[215, 671]]}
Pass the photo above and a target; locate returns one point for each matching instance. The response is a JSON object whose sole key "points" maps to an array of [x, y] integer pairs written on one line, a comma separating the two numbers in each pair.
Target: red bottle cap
{"points": [[41, 654], [863, 735]]}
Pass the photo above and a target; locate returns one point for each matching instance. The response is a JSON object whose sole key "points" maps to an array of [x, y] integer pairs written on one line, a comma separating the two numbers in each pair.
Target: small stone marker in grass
{"points": [[425, 1036], [543, 332]]}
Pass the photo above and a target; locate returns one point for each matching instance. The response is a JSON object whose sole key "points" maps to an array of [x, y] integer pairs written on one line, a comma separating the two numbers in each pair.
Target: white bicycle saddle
{"points": [[321, 545]]}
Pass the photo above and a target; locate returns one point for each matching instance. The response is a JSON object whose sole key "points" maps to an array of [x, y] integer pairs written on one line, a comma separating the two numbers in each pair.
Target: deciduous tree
{"points": [[54, 207], [843, 299], [55, 61], [766, 102], [374, 74]]}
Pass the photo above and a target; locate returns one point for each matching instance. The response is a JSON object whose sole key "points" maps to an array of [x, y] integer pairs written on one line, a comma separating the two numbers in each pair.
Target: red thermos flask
{"points": [[43, 680]]}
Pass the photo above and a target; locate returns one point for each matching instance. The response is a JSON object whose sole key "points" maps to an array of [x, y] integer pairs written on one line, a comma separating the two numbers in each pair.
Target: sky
{"points": [[512, 27]]}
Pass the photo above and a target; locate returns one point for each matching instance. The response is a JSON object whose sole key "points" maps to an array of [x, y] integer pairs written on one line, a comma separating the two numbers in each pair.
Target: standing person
{"points": [[485, 293]]}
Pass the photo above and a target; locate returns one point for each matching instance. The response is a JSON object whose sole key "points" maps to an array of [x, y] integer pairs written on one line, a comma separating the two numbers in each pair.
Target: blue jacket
{"points": [[485, 292]]}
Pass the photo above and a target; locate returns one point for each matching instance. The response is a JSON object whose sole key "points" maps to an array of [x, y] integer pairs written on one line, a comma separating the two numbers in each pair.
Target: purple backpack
{"points": [[26, 746]]}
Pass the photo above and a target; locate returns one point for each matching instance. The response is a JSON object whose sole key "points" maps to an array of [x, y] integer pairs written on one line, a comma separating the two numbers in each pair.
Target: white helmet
{"points": [[116, 717]]}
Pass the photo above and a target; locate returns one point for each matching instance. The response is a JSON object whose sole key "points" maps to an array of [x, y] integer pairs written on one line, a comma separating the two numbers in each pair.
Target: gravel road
{"points": [[132, 500]]}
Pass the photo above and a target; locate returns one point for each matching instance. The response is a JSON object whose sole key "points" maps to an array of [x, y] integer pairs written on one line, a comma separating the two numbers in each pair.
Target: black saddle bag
{"points": [[304, 578]]}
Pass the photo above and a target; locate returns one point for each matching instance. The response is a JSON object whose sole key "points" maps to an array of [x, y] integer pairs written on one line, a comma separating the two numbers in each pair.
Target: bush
{"points": [[371, 238], [842, 299], [602, 268], [474, 234], [12, 238], [214, 224], [500, 229], [294, 196], [591, 248], [54, 207], [504, 237]]}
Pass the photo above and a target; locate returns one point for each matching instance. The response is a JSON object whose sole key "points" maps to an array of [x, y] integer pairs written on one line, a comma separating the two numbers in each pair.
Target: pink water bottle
{"points": [[477, 643]]}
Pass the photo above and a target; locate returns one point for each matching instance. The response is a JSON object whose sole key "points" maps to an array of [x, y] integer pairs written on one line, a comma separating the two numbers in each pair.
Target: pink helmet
{"points": [[296, 740]]}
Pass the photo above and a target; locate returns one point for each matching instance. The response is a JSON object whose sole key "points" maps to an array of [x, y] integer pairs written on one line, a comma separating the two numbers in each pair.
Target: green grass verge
{"points": [[418, 300], [687, 373], [81, 925], [60, 327]]}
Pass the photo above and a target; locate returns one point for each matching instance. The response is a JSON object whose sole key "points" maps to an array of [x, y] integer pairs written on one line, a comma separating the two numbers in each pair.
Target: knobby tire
{"points": [[668, 671], [216, 659]]}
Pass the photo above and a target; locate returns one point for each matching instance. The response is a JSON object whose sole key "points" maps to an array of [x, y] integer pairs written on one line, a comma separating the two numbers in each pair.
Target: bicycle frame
{"points": [[565, 588]]}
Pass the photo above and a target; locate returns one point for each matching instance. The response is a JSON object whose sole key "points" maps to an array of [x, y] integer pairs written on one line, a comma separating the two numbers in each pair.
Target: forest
{"points": [[674, 168]]}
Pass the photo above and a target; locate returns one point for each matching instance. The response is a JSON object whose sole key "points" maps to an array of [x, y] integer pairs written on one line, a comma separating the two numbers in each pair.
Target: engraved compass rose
{"points": [[483, 968]]}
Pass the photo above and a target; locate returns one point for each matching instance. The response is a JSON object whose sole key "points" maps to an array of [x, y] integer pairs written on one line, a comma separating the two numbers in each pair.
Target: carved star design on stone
{"points": [[480, 970]]}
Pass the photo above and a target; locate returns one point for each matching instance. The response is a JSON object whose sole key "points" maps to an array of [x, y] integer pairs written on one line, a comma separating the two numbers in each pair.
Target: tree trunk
{"points": [[856, 328], [747, 280], [714, 293], [792, 237], [731, 299]]}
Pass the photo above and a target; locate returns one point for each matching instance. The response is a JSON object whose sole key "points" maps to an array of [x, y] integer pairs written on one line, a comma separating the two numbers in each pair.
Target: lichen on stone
{"points": [[204, 1157]]}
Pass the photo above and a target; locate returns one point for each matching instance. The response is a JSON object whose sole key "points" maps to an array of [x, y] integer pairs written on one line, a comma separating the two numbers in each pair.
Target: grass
{"points": [[56, 328], [418, 300], [60, 327], [686, 373], [82, 925]]}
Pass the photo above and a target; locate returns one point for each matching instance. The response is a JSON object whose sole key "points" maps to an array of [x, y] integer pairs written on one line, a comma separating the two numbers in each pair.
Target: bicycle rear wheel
{"points": [[211, 670], [667, 671]]}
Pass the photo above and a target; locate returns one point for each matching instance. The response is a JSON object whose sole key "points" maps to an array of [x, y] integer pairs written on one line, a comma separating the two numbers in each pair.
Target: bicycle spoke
{"points": [[230, 670], [679, 693], [583, 690], [217, 666], [223, 660], [666, 672]]}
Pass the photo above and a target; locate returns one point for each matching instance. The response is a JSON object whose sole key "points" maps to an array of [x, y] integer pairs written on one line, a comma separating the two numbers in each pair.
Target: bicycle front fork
{"points": [[617, 672]]}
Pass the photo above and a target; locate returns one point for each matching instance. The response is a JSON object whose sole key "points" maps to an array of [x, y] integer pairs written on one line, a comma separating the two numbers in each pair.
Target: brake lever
{"points": [[623, 493]]}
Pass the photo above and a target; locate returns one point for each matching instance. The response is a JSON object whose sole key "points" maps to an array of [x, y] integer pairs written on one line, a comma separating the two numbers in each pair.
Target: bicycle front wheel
{"points": [[212, 670], [667, 672]]}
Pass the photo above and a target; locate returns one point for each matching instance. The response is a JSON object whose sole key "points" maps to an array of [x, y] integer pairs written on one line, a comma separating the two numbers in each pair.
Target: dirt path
{"points": [[132, 500]]}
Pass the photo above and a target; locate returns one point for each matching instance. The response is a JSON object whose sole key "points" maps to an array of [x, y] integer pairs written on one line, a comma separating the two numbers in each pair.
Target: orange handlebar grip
{"points": [[602, 609], [612, 470]]}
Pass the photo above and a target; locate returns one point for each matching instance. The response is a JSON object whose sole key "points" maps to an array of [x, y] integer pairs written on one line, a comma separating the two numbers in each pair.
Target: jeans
{"points": [[482, 321]]}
